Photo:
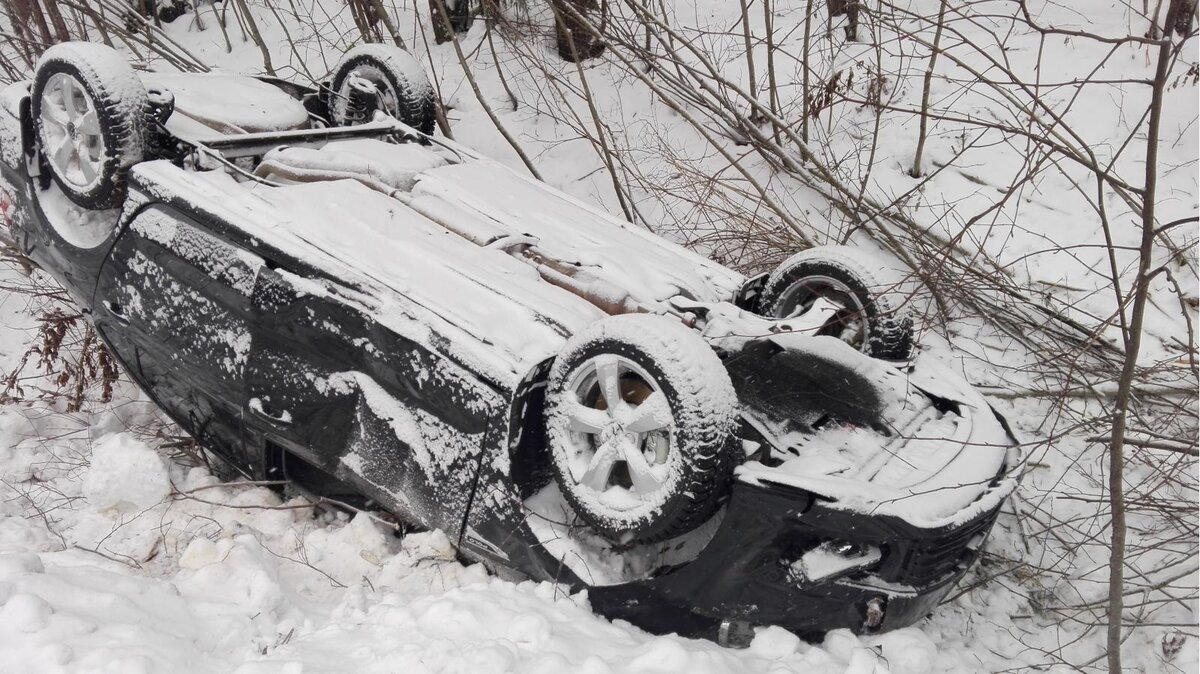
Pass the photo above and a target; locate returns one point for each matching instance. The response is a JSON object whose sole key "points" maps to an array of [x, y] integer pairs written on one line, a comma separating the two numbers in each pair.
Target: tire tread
{"points": [[886, 295], [120, 102], [697, 376]]}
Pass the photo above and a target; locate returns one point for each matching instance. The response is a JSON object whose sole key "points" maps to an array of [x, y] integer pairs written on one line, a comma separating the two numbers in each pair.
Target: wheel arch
{"points": [[529, 460]]}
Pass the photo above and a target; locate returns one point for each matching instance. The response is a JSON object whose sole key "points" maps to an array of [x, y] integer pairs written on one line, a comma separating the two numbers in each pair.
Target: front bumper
{"points": [[746, 574]]}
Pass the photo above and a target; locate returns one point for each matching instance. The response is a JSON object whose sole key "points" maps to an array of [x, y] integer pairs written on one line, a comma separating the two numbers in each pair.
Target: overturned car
{"points": [[320, 289]]}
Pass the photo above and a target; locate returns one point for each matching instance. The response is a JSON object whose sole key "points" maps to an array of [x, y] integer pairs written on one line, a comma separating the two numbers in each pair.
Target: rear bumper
{"points": [[746, 575]]}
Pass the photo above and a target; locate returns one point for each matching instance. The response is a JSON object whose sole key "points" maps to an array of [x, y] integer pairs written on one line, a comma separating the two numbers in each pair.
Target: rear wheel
{"points": [[89, 108], [873, 301], [396, 79], [640, 419]]}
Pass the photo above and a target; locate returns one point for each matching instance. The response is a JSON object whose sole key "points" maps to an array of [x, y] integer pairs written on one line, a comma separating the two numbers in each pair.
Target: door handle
{"points": [[277, 416], [116, 311]]}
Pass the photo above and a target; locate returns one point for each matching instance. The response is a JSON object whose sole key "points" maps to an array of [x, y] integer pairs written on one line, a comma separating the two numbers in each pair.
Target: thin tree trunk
{"points": [[35, 10], [572, 38], [241, 24], [749, 46], [605, 153], [254, 34], [808, 10], [773, 88], [512, 98], [61, 33], [1133, 342], [442, 29], [196, 11], [916, 171], [100, 23], [359, 14], [1154, 33], [221, 24], [387, 23], [439, 109], [462, 61], [18, 15]]}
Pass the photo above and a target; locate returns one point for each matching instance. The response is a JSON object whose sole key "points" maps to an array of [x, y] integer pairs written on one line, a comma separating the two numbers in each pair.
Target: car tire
{"points": [[647, 469], [89, 107], [406, 92], [877, 318]]}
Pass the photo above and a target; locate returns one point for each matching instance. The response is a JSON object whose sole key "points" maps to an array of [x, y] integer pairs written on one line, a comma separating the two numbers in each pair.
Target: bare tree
{"points": [[578, 29]]}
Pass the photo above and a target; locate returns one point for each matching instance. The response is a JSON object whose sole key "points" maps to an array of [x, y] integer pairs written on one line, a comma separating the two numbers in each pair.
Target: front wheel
{"points": [[640, 419]]}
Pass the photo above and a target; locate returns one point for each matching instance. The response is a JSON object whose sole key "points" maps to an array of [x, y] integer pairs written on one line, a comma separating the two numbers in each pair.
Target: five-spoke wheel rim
{"points": [[848, 323], [622, 453], [74, 143]]}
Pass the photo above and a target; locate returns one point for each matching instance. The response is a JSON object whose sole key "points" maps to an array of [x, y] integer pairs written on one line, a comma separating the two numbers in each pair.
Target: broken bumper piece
{"points": [[783, 556]]}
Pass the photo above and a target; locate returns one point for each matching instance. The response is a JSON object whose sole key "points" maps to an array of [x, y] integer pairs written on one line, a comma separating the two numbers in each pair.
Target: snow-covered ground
{"points": [[119, 554]]}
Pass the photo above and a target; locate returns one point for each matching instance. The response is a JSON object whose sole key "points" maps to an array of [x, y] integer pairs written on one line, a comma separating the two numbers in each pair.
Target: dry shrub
{"points": [[66, 361]]}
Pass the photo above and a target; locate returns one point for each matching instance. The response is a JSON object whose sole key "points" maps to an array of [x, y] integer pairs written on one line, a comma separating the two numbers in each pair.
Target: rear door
{"points": [[370, 407], [299, 395], [175, 303]]}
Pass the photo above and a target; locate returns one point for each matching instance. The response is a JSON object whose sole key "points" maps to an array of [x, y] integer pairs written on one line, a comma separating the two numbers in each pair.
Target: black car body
{"points": [[389, 332]]}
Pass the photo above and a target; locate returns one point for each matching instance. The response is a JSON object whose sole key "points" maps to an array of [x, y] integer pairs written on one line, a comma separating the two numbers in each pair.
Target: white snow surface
{"points": [[649, 268], [77, 226], [377, 164], [227, 578], [125, 473]]}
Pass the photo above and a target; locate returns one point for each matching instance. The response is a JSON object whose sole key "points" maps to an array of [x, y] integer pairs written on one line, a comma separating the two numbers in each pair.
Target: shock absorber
{"points": [[362, 100]]}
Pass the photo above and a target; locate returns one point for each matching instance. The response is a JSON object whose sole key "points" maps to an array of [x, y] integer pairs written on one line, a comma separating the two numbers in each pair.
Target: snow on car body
{"points": [[364, 308]]}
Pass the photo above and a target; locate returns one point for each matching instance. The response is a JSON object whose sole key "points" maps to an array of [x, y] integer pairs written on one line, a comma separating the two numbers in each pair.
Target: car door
{"points": [[367, 406], [298, 395], [174, 301]]}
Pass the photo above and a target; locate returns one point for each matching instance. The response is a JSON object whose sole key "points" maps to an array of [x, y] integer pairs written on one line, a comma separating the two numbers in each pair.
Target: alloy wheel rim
{"points": [[849, 323], [624, 446], [72, 138]]}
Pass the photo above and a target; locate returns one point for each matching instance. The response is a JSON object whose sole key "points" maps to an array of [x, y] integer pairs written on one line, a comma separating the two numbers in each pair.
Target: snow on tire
{"points": [[876, 299], [404, 90], [657, 463], [89, 107]]}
